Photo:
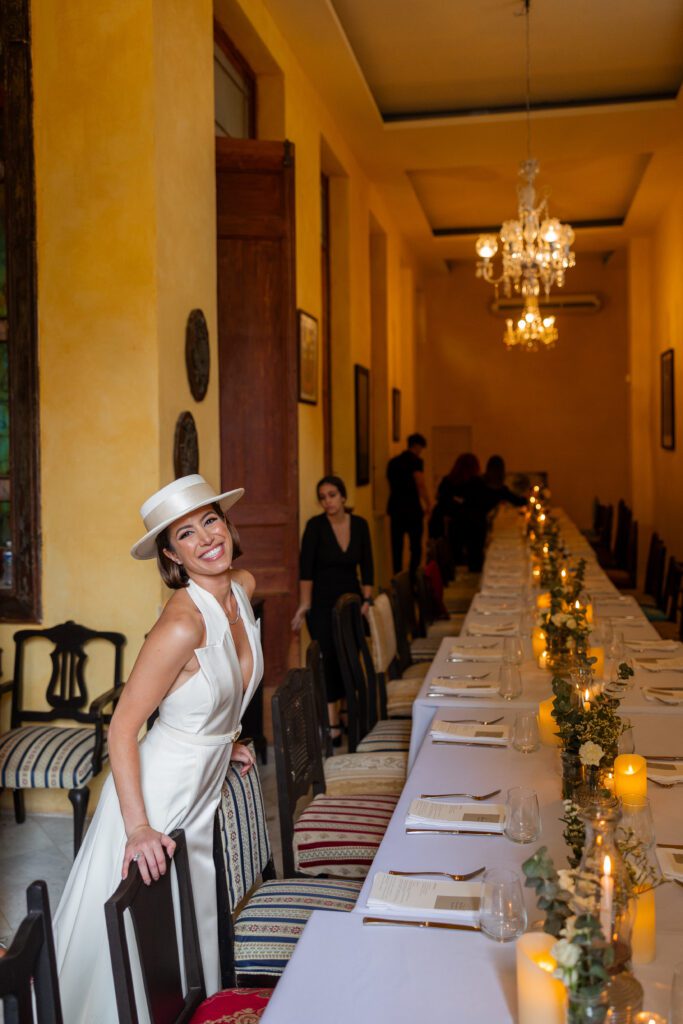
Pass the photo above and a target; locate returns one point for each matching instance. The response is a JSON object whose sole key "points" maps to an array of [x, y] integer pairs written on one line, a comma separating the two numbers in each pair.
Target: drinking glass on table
{"points": [[509, 681], [676, 1015], [522, 815], [636, 819], [502, 914], [525, 735], [513, 652], [626, 743]]}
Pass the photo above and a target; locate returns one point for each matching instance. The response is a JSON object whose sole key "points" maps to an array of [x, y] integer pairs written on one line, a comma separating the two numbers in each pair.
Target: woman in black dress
{"points": [[335, 549]]}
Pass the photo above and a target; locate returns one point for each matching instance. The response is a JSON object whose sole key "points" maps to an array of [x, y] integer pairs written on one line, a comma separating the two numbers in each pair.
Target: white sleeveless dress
{"points": [[183, 762]]}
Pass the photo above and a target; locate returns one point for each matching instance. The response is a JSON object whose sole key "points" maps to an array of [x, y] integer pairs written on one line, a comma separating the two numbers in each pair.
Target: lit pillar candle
{"points": [[547, 726], [543, 601], [630, 775], [606, 898], [643, 938], [586, 700], [540, 997], [543, 659], [645, 1017], [599, 666], [538, 642]]}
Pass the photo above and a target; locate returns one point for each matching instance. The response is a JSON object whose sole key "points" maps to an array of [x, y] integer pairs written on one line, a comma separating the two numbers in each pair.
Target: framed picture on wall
{"points": [[308, 358], [667, 399], [395, 414], [362, 395]]}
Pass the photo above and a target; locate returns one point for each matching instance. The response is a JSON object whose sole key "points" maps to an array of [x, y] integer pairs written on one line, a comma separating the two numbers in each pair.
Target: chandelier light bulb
{"points": [[487, 246]]}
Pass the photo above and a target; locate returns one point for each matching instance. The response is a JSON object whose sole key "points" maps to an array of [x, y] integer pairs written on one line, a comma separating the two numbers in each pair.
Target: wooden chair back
{"points": [[605, 532], [298, 758], [652, 555], [403, 655], [622, 535], [153, 918], [402, 587], [314, 662], [632, 554], [28, 969]]}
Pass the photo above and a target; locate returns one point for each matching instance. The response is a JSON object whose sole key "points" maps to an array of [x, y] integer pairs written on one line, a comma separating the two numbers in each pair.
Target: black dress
{"points": [[333, 572]]}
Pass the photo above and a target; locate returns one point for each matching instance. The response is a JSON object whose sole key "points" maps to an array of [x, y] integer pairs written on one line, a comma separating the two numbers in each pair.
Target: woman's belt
{"points": [[198, 739]]}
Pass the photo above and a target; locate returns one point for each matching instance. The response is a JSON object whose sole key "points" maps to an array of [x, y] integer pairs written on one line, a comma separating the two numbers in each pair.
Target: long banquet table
{"points": [[343, 970]]}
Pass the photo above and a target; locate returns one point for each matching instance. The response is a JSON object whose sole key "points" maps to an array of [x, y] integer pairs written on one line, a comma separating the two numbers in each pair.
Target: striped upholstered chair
{"points": [[256, 944], [36, 754], [397, 690]]}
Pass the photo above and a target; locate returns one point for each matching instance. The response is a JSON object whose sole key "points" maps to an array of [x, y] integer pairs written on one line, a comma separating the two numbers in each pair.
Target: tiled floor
{"points": [[43, 848]]}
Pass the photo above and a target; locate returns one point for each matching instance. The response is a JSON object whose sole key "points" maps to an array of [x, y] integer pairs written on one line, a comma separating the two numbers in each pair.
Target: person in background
{"points": [[335, 550], [408, 501], [448, 516], [481, 495]]}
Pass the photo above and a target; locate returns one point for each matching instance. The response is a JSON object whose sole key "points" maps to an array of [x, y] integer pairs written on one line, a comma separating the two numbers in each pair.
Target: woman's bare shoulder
{"points": [[180, 622], [245, 580]]}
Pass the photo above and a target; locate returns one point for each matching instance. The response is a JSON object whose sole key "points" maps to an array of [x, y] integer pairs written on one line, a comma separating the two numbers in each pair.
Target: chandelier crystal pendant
{"points": [[535, 248]]}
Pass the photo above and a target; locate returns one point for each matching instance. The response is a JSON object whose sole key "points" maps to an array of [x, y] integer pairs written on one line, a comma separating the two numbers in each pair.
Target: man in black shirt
{"points": [[408, 501]]}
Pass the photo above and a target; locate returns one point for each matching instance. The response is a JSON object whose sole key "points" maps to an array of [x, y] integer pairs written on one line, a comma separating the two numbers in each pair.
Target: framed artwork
{"points": [[362, 393], [667, 400], [395, 414], [308, 358]]}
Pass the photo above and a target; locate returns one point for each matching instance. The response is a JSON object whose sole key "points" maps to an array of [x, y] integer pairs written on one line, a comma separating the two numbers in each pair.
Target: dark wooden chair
{"points": [[28, 968], [626, 576], [671, 628], [317, 841], [37, 755], [157, 949], [314, 662], [366, 692], [422, 647]]}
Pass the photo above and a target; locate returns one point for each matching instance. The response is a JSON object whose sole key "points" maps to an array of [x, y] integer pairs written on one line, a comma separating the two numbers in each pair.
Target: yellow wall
{"points": [[656, 271], [564, 411], [126, 247]]}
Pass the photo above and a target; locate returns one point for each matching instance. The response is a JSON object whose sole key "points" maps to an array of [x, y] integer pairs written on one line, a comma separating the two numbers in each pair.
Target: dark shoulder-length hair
{"points": [[174, 575]]}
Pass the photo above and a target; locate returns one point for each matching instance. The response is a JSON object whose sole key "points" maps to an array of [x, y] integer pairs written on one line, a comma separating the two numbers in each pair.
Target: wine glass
{"points": [[522, 815], [513, 653], [525, 735], [509, 681]]}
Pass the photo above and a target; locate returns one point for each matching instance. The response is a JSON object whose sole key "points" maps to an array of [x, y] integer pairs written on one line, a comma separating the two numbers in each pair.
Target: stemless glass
{"points": [[522, 815], [509, 681], [502, 914], [513, 652], [525, 735], [636, 817]]}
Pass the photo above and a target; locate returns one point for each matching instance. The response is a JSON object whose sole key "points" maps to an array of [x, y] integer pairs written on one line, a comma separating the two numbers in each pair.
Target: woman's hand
{"points": [[147, 845], [243, 756], [299, 617]]}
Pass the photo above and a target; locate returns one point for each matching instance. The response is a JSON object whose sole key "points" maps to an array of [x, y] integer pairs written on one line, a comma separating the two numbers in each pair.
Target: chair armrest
{"points": [[101, 702], [6, 687]]}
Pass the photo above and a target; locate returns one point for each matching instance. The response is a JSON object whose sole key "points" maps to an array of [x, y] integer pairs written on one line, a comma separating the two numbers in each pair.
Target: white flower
{"points": [[566, 953], [566, 879], [559, 618], [571, 623], [591, 753]]}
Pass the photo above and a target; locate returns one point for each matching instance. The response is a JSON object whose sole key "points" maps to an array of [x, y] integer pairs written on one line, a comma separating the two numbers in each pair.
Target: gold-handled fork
{"points": [[470, 796], [440, 874], [473, 721]]}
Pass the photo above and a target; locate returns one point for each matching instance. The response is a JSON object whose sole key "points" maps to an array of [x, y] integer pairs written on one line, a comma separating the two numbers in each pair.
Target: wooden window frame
{"points": [[240, 64], [21, 603]]}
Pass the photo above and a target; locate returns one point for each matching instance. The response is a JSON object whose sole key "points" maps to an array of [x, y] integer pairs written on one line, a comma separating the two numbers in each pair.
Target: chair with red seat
{"points": [[157, 947]]}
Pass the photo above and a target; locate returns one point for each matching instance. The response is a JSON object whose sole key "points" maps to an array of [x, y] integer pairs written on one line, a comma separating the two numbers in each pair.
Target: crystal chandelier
{"points": [[531, 332], [535, 249]]}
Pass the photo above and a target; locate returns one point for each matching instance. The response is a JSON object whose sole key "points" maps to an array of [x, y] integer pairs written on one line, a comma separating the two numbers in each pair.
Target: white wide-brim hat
{"points": [[173, 501]]}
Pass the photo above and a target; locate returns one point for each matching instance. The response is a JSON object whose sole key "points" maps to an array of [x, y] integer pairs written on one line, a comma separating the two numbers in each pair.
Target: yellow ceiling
{"points": [[607, 128]]}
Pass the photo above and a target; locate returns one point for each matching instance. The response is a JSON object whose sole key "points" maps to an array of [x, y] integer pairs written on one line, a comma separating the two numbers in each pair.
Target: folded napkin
{"points": [[671, 862], [442, 899], [661, 664], [662, 696], [453, 688], [657, 646], [665, 771], [483, 602], [465, 732], [464, 817], [492, 628], [471, 649]]}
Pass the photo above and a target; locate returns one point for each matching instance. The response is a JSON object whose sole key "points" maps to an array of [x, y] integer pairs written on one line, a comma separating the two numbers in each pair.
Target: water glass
{"points": [[602, 634], [636, 817], [676, 1015], [522, 815], [513, 652], [502, 914], [525, 735], [509, 681]]}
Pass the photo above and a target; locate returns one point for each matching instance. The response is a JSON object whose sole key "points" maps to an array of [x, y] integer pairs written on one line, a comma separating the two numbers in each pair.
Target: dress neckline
{"points": [[345, 550], [241, 598]]}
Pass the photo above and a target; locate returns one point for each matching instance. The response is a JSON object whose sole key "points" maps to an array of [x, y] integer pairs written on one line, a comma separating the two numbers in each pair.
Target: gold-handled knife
{"points": [[421, 924], [413, 831]]}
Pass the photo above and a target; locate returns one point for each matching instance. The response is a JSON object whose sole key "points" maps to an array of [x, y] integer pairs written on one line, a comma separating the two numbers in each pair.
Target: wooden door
{"points": [[258, 374]]}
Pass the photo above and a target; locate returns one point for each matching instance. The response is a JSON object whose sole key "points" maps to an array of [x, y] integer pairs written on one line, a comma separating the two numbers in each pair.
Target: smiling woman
{"points": [[200, 666]]}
